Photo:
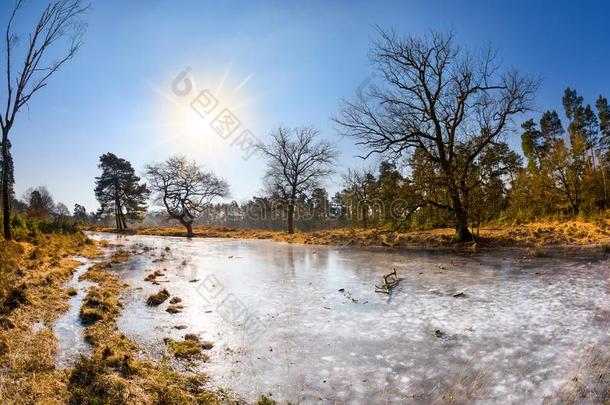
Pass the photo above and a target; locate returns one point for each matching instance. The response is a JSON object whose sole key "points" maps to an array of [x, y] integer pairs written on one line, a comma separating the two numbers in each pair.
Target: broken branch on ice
{"points": [[390, 281]]}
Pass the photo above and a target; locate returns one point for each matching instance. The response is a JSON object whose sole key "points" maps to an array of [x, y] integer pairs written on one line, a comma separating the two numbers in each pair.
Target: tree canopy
{"points": [[184, 189], [438, 102], [296, 164], [119, 191]]}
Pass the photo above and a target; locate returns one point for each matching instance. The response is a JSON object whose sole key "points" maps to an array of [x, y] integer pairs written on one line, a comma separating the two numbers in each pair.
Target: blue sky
{"points": [[271, 63]]}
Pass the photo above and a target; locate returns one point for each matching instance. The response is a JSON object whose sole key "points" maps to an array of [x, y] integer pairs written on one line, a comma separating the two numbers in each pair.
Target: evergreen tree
{"points": [[603, 114], [80, 213], [531, 143], [39, 203], [119, 192], [550, 130], [583, 126]]}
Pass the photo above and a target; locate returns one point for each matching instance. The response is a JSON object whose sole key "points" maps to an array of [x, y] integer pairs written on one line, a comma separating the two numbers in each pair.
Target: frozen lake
{"points": [[305, 323]]}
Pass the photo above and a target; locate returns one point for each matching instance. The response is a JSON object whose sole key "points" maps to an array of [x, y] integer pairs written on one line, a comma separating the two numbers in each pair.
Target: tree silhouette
{"points": [[119, 192], [184, 189], [80, 213], [296, 162], [442, 101], [28, 72], [6, 166], [361, 186]]}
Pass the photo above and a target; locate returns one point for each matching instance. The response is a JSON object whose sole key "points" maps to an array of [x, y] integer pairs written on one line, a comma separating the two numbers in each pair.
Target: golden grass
{"points": [[115, 371], [32, 273], [158, 298], [532, 235], [31, 299], [187, 349], [465, 387], [590, 380]]}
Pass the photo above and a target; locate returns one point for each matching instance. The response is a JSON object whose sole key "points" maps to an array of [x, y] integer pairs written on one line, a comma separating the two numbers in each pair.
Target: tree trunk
{"points": [[123, 221], [6, 198], [365, 218], [462, 233], [118, 212], [188, 225], [290, 217], [189, 229]]}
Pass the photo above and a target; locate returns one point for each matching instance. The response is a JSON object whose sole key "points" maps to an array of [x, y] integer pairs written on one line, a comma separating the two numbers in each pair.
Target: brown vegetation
{"points": [[115, 372], [590, 380], [31, 298], [158, 298], [187, 349], [531, 235]]}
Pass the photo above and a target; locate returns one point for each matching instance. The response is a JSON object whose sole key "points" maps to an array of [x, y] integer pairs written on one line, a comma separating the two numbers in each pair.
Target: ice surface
{"points": [[68, 328], [281, 325]]}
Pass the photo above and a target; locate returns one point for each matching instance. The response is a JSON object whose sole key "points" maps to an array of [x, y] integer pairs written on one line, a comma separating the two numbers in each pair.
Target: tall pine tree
{"points": [[119, 192]]}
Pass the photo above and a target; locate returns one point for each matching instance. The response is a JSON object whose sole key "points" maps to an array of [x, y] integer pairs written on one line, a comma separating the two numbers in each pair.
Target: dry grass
{"points": [[466, 387], [532, 235], [154, 300], [590, 382], [116, 372], [187, 349], [31, 297]]}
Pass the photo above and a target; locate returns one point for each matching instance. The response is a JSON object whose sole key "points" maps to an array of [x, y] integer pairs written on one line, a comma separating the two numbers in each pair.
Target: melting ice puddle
{"points": [[514, 337], [68, 328]]}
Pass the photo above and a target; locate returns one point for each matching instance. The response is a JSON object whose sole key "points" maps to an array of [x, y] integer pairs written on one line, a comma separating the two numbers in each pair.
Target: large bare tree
{"points": [[443, 100], [58, 28], [296, 163], [184, 189]]}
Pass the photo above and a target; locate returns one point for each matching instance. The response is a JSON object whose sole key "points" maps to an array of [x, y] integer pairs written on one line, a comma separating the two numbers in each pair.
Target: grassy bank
{"points": [[32, 273], [31, 299], [116, 372], [532, 235]]}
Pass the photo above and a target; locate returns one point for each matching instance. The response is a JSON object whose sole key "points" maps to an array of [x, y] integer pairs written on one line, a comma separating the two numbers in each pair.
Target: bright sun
{"points": [[190, 106]]}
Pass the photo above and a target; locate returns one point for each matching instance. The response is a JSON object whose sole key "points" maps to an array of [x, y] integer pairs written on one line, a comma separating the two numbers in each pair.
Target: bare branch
{"points": [[440, 100], [59, 20]]}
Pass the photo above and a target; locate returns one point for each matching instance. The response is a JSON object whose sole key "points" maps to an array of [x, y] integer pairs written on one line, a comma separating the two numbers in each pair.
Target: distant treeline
{"points": [[564, 174]]}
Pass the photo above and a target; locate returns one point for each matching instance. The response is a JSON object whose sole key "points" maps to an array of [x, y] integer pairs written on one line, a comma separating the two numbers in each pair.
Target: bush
{"points": [[27, 229]]}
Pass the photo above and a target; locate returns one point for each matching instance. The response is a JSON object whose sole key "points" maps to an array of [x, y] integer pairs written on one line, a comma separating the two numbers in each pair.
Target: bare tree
{"points": [[39, 202], [361, 186], [61, 210], [296, 163], [184, 189], [29, 72], [442, 100]]}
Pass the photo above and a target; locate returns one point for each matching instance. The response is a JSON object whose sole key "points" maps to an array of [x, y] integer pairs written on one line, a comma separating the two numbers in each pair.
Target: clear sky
{"points": [[271, 63]]}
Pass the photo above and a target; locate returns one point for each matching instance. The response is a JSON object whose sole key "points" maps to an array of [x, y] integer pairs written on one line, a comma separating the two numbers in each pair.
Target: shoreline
{"points": [[534, 239]]}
